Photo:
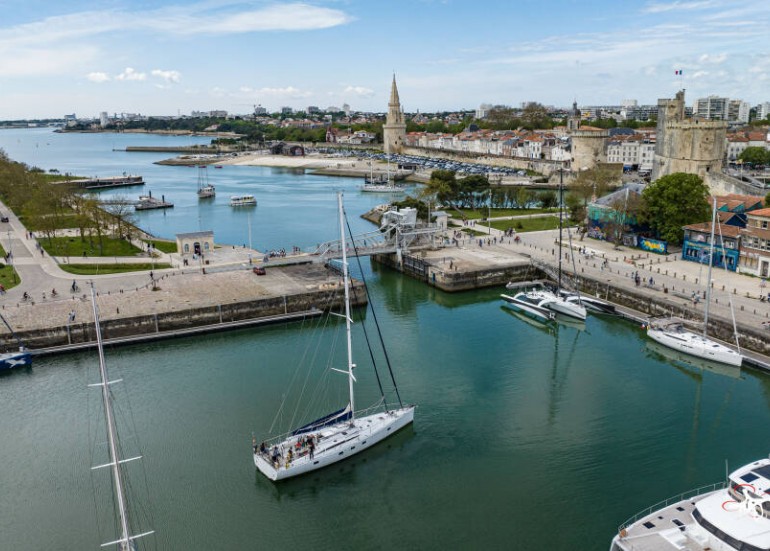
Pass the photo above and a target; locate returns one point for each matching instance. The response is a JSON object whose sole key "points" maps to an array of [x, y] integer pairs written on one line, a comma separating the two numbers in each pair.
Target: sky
{"points": [[160, 57]]}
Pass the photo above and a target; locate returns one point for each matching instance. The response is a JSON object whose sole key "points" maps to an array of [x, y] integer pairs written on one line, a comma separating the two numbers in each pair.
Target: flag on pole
{"points": [[678, 72]]}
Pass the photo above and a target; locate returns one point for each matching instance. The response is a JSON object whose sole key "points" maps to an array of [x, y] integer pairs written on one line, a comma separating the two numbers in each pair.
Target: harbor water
{"points": [[525, 436]]}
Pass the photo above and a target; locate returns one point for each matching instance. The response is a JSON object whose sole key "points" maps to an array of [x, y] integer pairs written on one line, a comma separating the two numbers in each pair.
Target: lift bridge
{"points": [[398, 233]]}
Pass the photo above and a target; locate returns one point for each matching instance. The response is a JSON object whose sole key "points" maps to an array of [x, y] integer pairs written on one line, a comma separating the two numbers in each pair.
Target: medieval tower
{"points": [[394, 129], [589, 144], [693, 146]]}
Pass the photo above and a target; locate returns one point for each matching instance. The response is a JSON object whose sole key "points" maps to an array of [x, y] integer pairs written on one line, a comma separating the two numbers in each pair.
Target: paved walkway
{"points": [[682, 278]]}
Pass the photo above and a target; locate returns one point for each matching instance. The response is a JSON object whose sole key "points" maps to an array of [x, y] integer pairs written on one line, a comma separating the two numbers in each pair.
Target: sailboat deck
{"points": [[329, 444]]}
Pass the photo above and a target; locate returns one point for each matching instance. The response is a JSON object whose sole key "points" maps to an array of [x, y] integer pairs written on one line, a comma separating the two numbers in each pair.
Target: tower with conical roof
{"points": [[394, 129]]}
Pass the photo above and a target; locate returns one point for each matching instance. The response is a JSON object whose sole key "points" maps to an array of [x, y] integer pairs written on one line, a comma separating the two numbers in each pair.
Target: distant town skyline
{"points": [[166, 58]]}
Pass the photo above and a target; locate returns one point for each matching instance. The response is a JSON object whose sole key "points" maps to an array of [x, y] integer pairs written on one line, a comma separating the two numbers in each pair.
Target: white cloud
{"points": [[660, 7], [289, 92], [167, 76], [713, 59], [360, 91], [131, 74], [98, 77]]}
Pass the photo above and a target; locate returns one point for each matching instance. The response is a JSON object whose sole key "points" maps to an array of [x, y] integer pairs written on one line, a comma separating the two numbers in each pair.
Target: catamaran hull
{"points": [[337, 443], [696, 345]]}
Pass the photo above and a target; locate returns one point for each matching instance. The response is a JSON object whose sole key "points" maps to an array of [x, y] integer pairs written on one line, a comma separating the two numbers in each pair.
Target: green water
{"points": [[523, 438]]}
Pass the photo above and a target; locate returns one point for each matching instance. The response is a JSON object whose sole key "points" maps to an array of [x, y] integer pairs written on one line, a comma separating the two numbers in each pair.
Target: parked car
{"points": [[259, 270], [3, 218]]}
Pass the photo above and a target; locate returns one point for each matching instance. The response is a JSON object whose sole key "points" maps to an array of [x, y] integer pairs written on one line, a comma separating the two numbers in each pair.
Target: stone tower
{"points": [[573, 121], [394, 129], [686, 145]]}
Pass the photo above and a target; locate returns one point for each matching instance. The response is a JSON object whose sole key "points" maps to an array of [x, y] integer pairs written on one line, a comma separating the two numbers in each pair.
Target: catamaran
{"points": [[719, 517], [340, 434]]}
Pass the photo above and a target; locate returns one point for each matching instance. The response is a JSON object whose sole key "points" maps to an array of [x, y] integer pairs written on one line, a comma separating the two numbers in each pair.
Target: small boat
{"points": [[671, 332], [556, 303], [21, 358], [725, 515], [9, 360], [217, 166], [243, 201], [682, 359], [528, 306], [205, 189], [382, 188], [338, 435]]}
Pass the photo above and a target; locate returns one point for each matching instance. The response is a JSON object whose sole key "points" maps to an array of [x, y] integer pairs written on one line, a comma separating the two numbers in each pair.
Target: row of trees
{"points": [[665, 206], [46, 206]]}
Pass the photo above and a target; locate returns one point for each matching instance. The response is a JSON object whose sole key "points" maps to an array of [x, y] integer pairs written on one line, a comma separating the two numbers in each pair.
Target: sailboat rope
{"points": [[376, 324], [323, 320], [374, 408], [729, 297]]}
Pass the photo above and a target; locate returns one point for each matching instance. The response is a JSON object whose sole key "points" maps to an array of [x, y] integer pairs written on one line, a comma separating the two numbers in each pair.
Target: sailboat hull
{"points": [[558, 304], [695, 345], [334, 444]]}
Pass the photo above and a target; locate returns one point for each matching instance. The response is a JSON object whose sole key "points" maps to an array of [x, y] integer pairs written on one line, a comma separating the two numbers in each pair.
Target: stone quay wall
{"points": [[165, 324]]}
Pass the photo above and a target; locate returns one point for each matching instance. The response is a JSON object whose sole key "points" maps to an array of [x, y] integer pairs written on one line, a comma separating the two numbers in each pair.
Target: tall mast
{"points": [[346, 279], [711, 263], [561, 175], [124, 541]]}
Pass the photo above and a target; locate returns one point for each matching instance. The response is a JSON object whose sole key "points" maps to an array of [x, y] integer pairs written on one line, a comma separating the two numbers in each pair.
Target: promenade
{"points": [[226, 277]]}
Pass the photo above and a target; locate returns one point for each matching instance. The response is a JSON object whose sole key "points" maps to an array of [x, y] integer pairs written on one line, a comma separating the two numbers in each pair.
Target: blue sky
{"points": [[159, 57]]}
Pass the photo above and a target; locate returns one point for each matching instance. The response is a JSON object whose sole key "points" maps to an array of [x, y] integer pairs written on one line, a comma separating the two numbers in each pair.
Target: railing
{"points": [[670, 501]]}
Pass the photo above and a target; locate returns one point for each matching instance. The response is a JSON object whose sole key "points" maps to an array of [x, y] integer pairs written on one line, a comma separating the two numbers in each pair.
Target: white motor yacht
{"points": [[718, 517]]}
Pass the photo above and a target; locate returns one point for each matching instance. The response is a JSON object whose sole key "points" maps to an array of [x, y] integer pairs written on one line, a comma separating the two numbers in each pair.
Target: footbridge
{"points": [[393, 238]]}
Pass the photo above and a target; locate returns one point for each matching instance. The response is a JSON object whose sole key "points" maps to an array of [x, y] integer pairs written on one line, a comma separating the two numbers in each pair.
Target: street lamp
{"points": [[489, 212], [10, 248]]}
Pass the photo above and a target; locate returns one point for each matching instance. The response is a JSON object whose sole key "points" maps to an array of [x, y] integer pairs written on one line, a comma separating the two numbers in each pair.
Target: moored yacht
{"points": [[671, 332], [243, 201], [718, 517], [558, 304]]}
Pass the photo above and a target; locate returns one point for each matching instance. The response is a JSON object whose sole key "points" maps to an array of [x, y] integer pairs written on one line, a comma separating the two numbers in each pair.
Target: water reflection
{"points": [[680, 359]]}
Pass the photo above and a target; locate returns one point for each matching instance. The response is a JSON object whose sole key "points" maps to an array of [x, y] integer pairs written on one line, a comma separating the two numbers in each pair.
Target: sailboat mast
{"points": [[561, 176], [346, 279], [711, 263], [124, 541]]}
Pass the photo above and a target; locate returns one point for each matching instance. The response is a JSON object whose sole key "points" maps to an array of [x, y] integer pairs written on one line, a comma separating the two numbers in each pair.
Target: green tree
{"points": [[548, 199], [672, 202], [767, 200], [442, 186], [755, 156]]}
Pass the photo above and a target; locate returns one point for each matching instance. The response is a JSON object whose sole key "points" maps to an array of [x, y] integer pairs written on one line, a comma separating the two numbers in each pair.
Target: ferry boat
{"points": [[719, 517], [243, 201]]}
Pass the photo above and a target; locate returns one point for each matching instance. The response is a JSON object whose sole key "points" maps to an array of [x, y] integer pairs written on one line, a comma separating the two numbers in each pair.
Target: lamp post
{"points": [[10, 248], [489, 212]]}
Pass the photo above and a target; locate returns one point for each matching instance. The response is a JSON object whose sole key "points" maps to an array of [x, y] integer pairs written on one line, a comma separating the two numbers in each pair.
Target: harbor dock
{"points": [[105, 183]]}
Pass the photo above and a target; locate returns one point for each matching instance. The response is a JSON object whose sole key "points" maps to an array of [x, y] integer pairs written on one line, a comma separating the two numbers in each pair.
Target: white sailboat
{"points": [[671, 332], [205, 190], [126, 540], [383, 183], [340, 434]]}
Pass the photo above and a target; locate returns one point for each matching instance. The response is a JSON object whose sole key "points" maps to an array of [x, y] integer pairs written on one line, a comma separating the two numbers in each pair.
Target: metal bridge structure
{"points": [[392, 238]]}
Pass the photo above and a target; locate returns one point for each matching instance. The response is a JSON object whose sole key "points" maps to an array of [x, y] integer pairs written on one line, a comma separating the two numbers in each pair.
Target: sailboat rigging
{"points": [[540, 301], [342, 433], [126, 540], [205, 190]]}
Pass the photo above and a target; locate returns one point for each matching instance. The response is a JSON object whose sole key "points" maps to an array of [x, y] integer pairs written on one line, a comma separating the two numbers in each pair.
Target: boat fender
{"points": [[623, 533]]}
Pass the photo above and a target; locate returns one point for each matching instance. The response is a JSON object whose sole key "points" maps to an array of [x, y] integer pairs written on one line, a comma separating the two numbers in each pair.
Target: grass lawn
{"points": [[163, 246], [101, 269], [477, 214], [472, 232], [528, 224], [64, 222], [74, 246], [8, 277]]}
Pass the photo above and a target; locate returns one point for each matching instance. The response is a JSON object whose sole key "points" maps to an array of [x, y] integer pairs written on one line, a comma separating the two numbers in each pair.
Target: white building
{"points": [[738, 110], [711, 108]]}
